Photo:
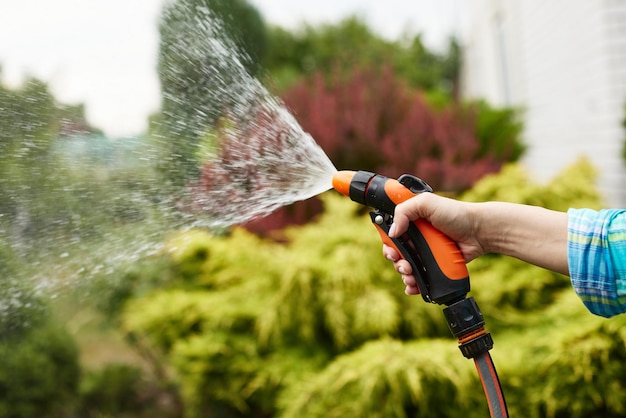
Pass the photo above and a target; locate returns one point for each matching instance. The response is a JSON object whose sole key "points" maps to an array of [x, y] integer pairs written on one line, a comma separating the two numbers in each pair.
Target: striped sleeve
{"points": [[596, 252]]}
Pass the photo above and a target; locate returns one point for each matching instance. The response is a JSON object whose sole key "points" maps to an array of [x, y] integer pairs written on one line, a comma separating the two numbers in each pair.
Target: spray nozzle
{"points": [[436, 261], [354, 184], [342, 180]]}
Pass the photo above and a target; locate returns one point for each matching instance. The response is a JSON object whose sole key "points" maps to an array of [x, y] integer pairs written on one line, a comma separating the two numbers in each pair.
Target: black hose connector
{"points": [[464, 318], [477, 346]]}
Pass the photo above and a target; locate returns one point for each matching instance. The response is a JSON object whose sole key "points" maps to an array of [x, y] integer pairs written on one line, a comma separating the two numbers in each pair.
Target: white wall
{"points": [[564, 63]]}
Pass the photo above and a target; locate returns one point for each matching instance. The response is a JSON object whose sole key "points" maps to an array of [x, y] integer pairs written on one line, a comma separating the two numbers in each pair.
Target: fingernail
{"points": [[401, 270], [389, 257], [392, 230]]}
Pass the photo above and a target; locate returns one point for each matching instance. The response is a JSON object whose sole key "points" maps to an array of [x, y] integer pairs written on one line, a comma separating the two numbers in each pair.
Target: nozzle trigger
{"points": [[383, 222], [414, 184]]}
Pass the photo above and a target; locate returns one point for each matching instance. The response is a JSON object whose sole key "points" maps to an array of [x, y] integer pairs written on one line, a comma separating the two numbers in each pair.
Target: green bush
{"points": [[319, 326], [121, 390], [112, 391], [499, 131], [584, 376], [39, 374], [573, 187], [389, 378]]}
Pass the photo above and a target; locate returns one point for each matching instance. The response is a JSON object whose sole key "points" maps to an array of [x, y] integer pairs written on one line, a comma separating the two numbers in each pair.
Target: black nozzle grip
{"points": [[358, 186]]}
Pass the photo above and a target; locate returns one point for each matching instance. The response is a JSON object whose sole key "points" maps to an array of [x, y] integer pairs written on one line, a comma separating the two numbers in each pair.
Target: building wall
{"points": [[563, 62]]}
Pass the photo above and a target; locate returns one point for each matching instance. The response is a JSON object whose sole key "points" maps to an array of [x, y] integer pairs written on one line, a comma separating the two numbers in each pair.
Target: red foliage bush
{"points": [[371, 120]]}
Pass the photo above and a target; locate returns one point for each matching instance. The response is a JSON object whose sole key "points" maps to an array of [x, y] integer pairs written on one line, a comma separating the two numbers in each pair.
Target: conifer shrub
{"points": [[583, 376], [389, 378], [319, 325], [248, 316]]}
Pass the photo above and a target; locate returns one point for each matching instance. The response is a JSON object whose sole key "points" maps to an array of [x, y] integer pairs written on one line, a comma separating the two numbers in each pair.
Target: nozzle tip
{"points": [[342, 180]]}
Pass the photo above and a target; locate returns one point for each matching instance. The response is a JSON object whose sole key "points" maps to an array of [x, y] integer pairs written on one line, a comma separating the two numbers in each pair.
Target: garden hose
{"points": [[491, 385], [467, 324]]}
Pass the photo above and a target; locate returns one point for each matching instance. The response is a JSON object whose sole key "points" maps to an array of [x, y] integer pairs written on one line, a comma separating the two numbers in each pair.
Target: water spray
{"points": [[437, 264]]}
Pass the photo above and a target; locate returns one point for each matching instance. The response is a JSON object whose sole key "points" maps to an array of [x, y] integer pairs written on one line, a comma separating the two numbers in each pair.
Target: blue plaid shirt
{"points": [[596, 253]]}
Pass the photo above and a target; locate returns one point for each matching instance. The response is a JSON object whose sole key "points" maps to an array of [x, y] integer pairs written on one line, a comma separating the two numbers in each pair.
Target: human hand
{"points": [[455, 219]]}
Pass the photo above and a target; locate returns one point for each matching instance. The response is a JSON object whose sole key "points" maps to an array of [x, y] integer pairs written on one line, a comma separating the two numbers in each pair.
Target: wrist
{"points": [[532, 234], [489, 229]]}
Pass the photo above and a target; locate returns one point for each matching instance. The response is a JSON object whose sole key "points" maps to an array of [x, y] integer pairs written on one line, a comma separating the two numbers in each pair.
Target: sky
{"points": [[104, 53]]}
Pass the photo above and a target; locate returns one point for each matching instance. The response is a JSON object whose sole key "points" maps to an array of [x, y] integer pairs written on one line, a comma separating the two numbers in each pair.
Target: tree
{"points": [[32, 123], [350, 45], [29, 128], [205, 47]]}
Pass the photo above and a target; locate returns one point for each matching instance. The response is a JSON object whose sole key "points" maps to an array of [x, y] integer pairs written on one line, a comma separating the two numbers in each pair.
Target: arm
{"points": [[588, 246], [532, 234]]}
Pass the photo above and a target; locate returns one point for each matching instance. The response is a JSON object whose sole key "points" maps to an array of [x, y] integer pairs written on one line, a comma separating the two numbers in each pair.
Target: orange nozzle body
{"points": [[342, 180]]}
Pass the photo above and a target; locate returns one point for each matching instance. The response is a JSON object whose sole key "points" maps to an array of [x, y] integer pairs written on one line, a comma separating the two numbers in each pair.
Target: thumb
{"points": [[404, 213]]}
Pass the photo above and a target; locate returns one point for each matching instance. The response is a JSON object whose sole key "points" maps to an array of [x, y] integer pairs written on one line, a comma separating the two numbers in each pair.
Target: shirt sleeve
{"points": [[596, 252]]}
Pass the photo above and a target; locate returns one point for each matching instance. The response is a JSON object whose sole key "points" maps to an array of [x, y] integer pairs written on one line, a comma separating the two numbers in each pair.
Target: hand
{"points": [[454, 218]]}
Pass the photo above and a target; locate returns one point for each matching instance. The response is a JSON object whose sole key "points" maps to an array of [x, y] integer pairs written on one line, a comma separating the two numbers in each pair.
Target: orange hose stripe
{"points": [[494, 378], [474, 334]]}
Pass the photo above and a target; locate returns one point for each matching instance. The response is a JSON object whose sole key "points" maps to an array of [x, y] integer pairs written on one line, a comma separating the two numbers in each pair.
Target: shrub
{"points": [[122, 390], [350, 44], [388, 378], [112, 390], [319, 325], [39, 374], [371, 120], [584, 374]]}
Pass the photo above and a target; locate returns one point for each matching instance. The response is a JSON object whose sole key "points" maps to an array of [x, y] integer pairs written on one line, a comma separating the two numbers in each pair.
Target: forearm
{"points": [[532, 234]]}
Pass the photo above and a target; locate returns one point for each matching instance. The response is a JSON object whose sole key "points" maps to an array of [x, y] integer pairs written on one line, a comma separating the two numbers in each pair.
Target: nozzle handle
{"points": [[437, 262], [435, 285]]}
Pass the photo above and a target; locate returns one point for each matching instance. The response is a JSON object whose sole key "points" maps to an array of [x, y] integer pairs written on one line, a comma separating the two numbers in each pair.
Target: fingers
{"points": [[411, 289], [390, 253], [402, 267]]}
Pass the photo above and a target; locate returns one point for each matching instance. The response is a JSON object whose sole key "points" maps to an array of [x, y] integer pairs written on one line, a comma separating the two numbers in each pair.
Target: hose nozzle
{"points": [[355, 184], [342, 180]]}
